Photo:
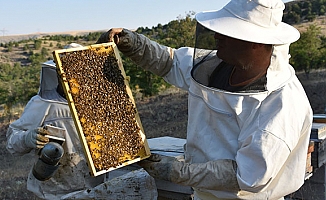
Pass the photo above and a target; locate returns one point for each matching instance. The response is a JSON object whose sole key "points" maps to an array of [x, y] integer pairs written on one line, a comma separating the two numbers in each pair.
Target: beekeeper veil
{"points": [[49, 78], [205, 44], [258, 21]]}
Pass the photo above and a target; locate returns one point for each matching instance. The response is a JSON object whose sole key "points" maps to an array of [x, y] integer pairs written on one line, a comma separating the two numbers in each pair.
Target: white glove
{"points": [[212, 175], [36, 139]]}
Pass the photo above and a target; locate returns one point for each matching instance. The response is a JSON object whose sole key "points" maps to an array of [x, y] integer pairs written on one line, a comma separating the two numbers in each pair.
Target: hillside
{"points": [[16, 38], [320, 21]]}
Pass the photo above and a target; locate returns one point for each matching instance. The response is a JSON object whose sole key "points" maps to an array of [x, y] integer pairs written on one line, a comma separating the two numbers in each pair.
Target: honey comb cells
{"points": [[105, 110]]}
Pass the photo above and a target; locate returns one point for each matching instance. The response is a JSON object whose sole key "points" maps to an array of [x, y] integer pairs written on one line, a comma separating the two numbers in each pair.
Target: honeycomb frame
{"points": [[71, 88]]}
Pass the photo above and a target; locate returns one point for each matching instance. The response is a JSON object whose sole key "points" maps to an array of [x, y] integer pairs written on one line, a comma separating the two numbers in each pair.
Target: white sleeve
{"points": [[31, 118], [180, 73]]}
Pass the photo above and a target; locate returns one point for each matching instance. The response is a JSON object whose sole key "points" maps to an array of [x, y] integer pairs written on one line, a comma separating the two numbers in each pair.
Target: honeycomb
{"points": [[105, 111]]}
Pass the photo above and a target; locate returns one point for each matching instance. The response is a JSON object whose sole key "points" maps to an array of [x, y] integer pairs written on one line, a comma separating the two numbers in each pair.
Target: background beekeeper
{"points": [[49, 106], [249, 118]]}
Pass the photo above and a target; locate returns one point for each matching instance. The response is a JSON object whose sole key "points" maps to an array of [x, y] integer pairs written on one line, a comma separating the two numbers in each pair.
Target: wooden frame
{"points": [[106, 48]]}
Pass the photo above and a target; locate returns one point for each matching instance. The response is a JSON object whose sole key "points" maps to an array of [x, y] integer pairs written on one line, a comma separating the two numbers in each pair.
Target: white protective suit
{"points": [[48, 107], [265, 133]]}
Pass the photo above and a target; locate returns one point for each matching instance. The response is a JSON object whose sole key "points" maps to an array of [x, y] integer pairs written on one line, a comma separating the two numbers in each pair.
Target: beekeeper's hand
{"points": [[158, 166], [212, 175], [113, 35], [36, 139]]}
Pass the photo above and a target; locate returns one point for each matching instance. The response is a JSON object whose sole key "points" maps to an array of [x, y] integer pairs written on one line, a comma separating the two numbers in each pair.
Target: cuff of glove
{"points": [[212, 175]]}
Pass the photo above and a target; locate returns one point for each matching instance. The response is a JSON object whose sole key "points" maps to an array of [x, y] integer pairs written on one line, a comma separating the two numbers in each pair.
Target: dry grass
{"points": [[319, 21], [315, 87], [13, 171], [165, 114]]}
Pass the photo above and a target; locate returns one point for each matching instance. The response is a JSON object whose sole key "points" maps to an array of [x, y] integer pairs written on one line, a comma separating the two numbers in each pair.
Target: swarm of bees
{"points": [[105, 111]]}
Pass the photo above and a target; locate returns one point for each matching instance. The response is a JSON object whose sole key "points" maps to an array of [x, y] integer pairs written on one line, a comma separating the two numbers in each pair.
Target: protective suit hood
{"points": [[48, 79], [280, 71]]}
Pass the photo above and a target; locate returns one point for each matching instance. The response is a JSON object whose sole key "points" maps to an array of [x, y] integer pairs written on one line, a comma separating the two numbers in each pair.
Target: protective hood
{"points": [[48, 79], [278, 73]]}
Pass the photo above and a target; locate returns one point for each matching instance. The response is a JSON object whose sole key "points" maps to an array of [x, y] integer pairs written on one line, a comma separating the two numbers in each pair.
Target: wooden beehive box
{"points": [[102, 105]]}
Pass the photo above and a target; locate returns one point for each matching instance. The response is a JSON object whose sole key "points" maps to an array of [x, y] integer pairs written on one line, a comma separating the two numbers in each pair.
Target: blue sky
{"points": [[49, 16]]}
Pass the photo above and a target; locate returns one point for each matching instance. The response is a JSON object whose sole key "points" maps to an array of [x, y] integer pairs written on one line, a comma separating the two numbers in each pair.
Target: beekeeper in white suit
{"points": [[71, 179], [249, 117], [49, 106]]}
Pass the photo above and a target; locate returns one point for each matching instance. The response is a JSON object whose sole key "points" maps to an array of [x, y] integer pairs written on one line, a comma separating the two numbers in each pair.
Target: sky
{"points": [[19, 17]]}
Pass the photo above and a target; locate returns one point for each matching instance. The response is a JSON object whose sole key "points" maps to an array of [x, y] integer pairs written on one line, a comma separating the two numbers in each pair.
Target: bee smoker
{"points": [[50, 155]]}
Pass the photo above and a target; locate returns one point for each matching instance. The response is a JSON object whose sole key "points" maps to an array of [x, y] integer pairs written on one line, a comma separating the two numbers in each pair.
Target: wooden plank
{"points": [[318, 157], [319, 118], [318, 131], [102, 106]]}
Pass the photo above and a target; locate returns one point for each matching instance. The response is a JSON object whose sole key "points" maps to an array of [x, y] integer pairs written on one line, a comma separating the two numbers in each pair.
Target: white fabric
{"points": [[73, 174], [72, 45], [251, 20], [266, 133]]}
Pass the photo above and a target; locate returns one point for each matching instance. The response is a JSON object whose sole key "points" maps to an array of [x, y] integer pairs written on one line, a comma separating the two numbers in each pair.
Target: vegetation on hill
{"points": [[19, 76], [307, 10]]}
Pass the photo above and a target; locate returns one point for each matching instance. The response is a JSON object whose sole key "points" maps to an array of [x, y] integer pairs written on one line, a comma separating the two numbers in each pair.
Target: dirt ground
{"points": [[162, 115]]}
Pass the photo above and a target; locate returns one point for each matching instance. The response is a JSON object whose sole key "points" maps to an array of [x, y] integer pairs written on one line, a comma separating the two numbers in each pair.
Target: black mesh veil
{"points": [[48, 79], [205, 44]]}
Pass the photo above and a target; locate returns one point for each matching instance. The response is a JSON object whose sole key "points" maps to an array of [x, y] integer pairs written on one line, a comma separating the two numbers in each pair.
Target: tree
{"points": [[296, 8], [9, 49], [26, 47], [18, 84], [306, 51], [44, 52], [148, 83], [37, 44], [177, 33]]}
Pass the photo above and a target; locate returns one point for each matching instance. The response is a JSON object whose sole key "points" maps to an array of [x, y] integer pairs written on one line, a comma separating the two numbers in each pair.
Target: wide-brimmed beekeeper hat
{"points": [[257, 21]]}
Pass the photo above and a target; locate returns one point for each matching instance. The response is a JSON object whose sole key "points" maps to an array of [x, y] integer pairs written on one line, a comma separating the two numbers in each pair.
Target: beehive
{"points": [[102, 106]]}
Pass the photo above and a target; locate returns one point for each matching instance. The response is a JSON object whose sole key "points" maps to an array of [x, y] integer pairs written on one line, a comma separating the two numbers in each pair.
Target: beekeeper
{"points": [[249, 117], [50, 107]]}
